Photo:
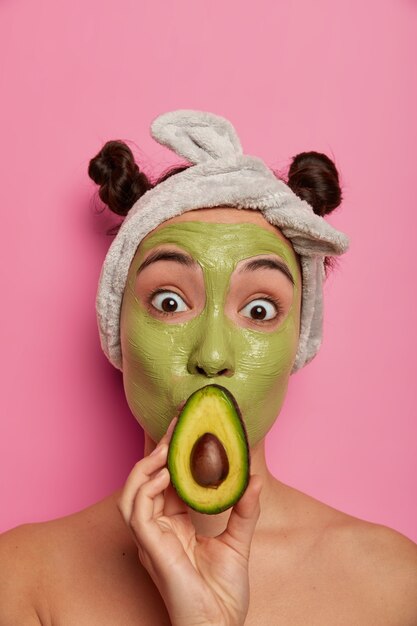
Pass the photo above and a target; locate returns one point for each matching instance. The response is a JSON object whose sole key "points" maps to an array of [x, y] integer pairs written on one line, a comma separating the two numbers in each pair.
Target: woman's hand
{"points": [[202, 580]]}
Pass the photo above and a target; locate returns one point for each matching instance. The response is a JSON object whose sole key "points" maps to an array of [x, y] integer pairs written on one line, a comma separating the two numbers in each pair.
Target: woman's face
{"points": [[212, 296]]}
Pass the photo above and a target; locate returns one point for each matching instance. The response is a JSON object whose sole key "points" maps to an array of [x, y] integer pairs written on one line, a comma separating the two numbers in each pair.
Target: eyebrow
{"points": [[167, 255], [272, 264]]}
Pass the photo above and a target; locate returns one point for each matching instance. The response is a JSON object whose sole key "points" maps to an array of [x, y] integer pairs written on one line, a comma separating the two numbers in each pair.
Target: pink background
{"points": [[338, 77]]}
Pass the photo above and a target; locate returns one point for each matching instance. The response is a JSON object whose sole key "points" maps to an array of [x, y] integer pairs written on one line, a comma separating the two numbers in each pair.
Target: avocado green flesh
{"points": [[213, 410]]}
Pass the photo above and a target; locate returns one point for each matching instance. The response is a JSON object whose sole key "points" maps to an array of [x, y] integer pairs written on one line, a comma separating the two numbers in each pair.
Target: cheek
{"points": [[262, 377], [155, 356], [151, 367], [269, 355], [147, 347]]}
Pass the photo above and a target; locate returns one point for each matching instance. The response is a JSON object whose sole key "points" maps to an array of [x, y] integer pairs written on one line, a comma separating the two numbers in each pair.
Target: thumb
{"points": [[245, 514]]}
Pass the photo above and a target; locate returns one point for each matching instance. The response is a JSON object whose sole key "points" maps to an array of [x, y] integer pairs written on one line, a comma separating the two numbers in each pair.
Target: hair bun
{"points": [[314, 178], [121, 182]]}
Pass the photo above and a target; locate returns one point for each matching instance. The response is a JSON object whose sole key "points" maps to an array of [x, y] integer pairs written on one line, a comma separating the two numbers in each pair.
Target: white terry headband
{"points": [[221, 175]]}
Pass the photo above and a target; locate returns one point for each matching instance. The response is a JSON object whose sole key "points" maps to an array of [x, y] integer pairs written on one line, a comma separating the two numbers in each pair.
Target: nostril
{"points": [[202, 372]]}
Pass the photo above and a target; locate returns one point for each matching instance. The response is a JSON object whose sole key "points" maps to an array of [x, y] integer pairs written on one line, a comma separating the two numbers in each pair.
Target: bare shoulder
{"points": [[388, 545], [375, 564], [33, 556], [383, 562], [20, 567], [379, 547], [369, 545]]}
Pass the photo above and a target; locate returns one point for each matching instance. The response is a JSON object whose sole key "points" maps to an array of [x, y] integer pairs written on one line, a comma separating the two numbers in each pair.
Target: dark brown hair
{"points": [[312, 176]]}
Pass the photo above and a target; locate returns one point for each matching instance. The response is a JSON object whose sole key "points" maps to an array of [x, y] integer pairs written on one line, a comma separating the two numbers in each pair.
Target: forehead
{"points": [[220, 236], [224, 215]]}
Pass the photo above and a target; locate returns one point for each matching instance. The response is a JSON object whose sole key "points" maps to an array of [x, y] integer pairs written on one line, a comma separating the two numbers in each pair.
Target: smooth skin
{"points": [[127, 560], [202, 580]]}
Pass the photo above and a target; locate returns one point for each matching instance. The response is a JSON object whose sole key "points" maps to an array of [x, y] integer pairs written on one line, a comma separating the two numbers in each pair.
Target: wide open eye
{"points": [[168, 302], [260, 310]]}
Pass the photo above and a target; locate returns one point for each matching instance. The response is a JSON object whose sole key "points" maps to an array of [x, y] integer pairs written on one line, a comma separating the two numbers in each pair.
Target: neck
{"points": [[212, 525]]}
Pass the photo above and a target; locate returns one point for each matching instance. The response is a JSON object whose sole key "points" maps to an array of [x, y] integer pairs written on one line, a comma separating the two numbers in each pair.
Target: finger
{"points": [[173, 503], [170, 429], [242, 521], [143, 518], [167, 437], [168, 503], [140, 475], [142, 470], [159, 505]]}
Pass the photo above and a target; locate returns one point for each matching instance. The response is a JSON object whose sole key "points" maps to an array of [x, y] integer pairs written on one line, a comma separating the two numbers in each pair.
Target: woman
{"points": [[215, 277]]}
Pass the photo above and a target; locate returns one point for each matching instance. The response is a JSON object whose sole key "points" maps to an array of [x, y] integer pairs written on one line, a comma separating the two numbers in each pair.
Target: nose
{"points": [[212, 354]]}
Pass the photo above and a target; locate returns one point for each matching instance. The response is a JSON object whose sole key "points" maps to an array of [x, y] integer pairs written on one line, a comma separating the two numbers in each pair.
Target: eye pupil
{"points": [[169, 304], [258, 312]]}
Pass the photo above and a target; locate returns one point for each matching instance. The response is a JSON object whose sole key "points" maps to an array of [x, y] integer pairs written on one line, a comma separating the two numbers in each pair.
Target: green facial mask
{"points": [[160, 358]]}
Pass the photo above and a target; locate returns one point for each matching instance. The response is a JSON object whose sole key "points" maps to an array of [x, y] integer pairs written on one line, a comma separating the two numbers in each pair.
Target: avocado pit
{"points": [[208, 461]]}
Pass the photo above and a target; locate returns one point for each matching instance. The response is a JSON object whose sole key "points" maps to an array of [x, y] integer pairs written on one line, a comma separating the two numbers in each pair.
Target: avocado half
{"points": [[208, 456]]}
